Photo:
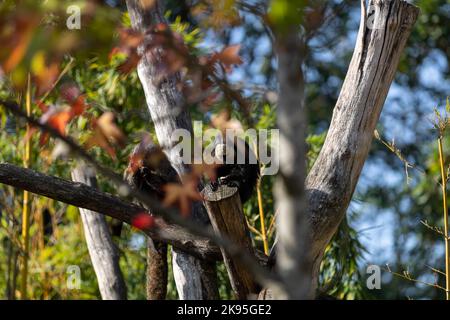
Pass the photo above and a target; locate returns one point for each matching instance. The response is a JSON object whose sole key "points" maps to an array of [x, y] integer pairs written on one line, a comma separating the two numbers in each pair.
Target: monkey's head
{"points": [[233, 152]]}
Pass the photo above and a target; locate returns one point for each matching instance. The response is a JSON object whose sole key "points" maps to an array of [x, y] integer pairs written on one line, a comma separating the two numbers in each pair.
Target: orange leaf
{"points": [[130, 63], [98, 139], [181, 195], [46, 78], [223, 122], [130, 38], [228, 56], [107, 125], [138, 154], [18, 41], [57, 120], [106, 133]]}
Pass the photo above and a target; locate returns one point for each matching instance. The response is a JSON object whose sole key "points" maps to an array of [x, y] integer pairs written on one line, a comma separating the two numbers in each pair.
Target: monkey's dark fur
{"points": [[149, 175], [154, 173], [243, 172]]}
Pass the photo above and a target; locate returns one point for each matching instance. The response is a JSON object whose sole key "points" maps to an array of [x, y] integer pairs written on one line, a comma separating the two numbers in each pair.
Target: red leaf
{"points": [[16, 42], [72, 94], [228, 57], [78, 106], [143, 221], [130, 38], [130, 63], [59, 121]]}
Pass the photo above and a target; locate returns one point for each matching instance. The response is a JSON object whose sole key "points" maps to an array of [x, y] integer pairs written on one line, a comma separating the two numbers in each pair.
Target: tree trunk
{"points": [[102, 250], [333, 178], [227, 218], [293, 263], [195, 279], [156, 270]]}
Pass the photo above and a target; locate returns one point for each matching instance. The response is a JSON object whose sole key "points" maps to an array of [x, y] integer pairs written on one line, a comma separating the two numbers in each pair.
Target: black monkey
{"points": [[239, 169], [150, 169]]}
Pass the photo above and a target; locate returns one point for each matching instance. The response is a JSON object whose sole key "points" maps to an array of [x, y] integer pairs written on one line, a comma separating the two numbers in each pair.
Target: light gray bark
{"points": [[102, 250], [333, 178], [195, 279], [293, 264]]}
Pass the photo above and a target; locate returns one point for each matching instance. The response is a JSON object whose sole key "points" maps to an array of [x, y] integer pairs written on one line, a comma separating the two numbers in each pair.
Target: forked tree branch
{"points": [[332, 180]]}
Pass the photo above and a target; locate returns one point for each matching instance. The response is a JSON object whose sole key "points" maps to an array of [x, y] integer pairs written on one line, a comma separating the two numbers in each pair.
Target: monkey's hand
{"points": [[231, 180]]}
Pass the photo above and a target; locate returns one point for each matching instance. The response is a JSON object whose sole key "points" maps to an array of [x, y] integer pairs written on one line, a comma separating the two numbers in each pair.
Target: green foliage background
{"points": [[329, 51]]}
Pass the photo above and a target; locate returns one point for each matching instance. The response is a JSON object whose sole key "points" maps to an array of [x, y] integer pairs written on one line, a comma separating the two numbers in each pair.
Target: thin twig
{"points": [[406, 275]]}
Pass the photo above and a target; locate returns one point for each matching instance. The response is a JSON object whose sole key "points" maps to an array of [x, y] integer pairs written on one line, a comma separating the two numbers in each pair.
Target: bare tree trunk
{"points": [[102, 250], [333, 178], [195, 279], [224, 208], [293, 263], [156, 270]]}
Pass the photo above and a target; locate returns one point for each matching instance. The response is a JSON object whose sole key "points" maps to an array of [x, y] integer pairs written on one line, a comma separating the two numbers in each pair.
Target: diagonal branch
{"points": [[84, 196], [333, 178]]}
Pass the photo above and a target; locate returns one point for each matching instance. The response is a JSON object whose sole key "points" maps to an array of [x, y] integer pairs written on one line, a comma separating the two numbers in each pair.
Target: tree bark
{"points": [[195, 279], [157, 270], [83, 196], [102, 250], [293, 263], [333, 177], [227, 218], [332, 180]]}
